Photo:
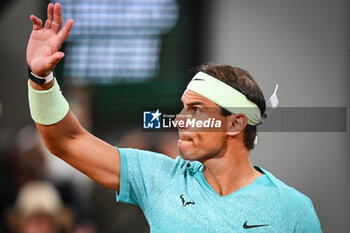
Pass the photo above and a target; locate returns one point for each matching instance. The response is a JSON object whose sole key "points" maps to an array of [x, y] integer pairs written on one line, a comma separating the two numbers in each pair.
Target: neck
{"points": [[230, 170]]}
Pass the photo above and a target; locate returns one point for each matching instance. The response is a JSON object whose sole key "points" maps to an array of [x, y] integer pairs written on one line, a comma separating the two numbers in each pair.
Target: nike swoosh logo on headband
{"points": [[198, 79]]}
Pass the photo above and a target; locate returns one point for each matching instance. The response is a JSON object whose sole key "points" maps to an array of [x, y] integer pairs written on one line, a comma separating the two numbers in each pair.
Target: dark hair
{"points": [[242, 81]]}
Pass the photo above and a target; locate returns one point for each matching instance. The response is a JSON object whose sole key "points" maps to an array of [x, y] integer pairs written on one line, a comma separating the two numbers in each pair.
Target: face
{"points": [[195, 143], [39, 223]]}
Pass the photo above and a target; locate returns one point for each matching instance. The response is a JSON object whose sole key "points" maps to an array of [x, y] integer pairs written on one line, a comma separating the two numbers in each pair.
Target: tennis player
{"points": [[211, 187]]}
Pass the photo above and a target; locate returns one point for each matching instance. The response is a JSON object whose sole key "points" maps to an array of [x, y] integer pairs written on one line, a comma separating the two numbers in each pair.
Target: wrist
{"points": [[43, 74], [47, 107], [41, 87], [40, 79]]}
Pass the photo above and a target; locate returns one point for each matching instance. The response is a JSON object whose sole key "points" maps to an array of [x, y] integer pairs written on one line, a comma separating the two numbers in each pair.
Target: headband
{"points": [[225, 96]]}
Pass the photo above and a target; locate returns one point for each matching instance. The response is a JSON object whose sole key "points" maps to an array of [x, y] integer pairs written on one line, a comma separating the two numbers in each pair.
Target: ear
{"points": [[236, 124]]}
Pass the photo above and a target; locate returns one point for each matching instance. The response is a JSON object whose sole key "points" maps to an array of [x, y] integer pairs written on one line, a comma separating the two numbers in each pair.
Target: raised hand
{"points": [[44, 42]]}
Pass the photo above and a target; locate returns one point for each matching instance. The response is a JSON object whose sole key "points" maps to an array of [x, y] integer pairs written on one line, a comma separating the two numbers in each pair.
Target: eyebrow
{"points": [[195, 103]]}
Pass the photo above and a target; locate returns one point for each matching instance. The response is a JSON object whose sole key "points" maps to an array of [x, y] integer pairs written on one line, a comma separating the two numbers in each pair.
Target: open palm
{"points": [[44, 42]]}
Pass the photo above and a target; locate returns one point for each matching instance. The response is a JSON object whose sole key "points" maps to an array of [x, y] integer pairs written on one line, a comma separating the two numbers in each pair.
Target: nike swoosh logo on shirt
{"points": [[246, 226]]}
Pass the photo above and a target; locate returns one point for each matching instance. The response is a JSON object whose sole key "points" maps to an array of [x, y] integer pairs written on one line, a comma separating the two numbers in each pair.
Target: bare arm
{"points": [[67, 139]]}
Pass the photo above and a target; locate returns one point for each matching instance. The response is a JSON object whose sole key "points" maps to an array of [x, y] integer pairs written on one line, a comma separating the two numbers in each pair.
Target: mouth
{"points": [[183, 137], [185, 142]]}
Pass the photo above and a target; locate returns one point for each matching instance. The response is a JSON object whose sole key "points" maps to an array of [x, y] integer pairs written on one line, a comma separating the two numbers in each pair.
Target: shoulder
{"points": [[292, 196], [143, 174], [297, 209], [292, 199], [149, 160], [143, 154]]}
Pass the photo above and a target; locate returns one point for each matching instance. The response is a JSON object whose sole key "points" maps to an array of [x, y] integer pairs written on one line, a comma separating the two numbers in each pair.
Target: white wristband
{"points": [[47, 78]]}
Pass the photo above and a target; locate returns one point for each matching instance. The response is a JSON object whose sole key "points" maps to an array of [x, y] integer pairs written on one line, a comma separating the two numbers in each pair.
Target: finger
{"points": [[55, 58], [57, 18], [36, 22], [50, 12], [49, 16], [47, 24], [63, 34]]}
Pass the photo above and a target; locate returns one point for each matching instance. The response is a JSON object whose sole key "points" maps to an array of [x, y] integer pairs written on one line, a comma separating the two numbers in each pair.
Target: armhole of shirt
{"points": [[122, 194]]}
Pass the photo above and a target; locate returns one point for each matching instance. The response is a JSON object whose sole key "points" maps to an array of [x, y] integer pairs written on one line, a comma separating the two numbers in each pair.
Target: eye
{"points": [[196, 110]]}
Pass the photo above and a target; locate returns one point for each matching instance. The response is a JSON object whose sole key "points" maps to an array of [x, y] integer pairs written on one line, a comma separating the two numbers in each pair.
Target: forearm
{"points": [[56, 137], [70, 142]]}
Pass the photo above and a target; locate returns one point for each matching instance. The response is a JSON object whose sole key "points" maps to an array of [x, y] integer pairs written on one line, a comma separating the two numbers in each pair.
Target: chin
{"points": [[188, 155], [184, 155], [186, 147], [188, 158]]}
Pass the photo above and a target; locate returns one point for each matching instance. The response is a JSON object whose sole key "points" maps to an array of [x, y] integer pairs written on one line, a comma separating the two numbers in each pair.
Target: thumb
{"points": [[55, 58]]}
